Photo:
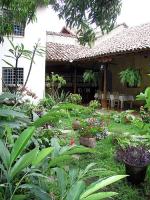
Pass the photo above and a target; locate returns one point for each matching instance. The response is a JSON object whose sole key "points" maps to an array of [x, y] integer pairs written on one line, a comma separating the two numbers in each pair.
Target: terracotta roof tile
{"points": [[60, 34], [62, 52], [128, 40]]}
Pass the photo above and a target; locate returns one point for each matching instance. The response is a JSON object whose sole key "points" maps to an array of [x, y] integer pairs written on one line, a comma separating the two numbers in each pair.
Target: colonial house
{"points": [[122, 48]]}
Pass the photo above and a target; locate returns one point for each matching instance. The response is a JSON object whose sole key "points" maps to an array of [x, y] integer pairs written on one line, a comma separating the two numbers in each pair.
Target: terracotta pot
{"points": [[104, 103], [76, 125], [88, 141], [136, 174]]}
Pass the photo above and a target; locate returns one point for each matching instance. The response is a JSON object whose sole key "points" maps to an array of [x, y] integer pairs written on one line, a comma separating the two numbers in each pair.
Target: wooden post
{"points": [[105, 81], [75, 81], [104, 100]]}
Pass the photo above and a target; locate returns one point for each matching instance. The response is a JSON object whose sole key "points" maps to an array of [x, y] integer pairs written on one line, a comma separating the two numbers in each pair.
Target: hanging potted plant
{"points": [[90, 77], [136, 160], [131, 77]]}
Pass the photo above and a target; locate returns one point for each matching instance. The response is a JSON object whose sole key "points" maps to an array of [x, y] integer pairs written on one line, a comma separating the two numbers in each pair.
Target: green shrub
{"points": [[74, 110], [94, 104], [145, 96], [74, 98], [47, 102]]}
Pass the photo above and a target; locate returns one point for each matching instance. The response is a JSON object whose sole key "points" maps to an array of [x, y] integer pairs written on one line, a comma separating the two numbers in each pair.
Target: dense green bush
{"points": [[74, 98], [94, 104], [74, 110]]}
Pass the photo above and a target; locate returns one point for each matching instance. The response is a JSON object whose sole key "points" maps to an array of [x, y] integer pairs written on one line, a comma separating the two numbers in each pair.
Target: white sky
{"points": [[134, 12]]}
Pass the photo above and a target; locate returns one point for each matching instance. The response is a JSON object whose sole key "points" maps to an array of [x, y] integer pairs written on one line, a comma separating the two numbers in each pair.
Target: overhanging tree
{"points": [[77, 13]]}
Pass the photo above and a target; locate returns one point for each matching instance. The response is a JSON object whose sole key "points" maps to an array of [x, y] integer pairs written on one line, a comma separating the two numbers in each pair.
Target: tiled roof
{"points": [[60, 34], [62, 52], [128, 40]]}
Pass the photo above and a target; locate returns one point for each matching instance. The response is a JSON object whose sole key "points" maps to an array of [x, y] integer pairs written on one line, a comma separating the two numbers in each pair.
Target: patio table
{"points": [[123, 98], [120, 100]]}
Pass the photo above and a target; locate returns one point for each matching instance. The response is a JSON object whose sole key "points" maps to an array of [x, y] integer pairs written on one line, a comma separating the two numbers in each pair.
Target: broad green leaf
{"points": [[11, 43], [37, 175], [79, 150], [37, 191], [9, 135], [59, 160], [100, 195], [88, 168], [8, 95], [55, 144], [11, 124], [43, 120], [62, 180], [21, 143], [23, 162], [8, 63], [75, 191], [73, 175], [102, 184], [9, 56], [4, 154], [3, 169], [19, 197], [42, 155], [7, 112]]}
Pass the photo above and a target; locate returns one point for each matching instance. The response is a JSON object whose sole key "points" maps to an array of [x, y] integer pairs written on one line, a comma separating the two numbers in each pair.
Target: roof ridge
{"points": [[59, 34]]}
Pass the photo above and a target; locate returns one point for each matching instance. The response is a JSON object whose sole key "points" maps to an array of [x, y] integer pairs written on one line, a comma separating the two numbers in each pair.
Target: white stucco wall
{"points": [[33, 32]]}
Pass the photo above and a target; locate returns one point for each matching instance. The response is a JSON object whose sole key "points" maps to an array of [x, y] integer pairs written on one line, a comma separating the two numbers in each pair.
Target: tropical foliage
{"points": [[90, 77], [131, 77], [74, 98], [77, 14], [145, 97]]}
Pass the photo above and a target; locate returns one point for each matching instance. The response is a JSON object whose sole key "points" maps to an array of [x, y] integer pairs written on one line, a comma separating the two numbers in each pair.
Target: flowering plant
{"points": [[91, 127]]}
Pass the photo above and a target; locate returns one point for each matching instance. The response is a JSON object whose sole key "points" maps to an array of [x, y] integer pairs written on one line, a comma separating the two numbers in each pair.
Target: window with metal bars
{"points": [[9, 77], [19, 29]]}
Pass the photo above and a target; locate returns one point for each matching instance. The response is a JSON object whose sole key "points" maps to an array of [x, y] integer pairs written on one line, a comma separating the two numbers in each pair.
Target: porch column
{"points": [[104, 99], [105, 81], [75, 81]]}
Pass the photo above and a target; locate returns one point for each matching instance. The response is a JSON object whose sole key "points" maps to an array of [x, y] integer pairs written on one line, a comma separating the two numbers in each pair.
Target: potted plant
{"points": [[91, 77], [87, 137], [131, 77], [89, 132], [136, 160]]}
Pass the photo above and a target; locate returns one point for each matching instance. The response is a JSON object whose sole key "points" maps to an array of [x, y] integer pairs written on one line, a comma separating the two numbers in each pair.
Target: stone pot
{"points": [[88, 141], [76, 125]]}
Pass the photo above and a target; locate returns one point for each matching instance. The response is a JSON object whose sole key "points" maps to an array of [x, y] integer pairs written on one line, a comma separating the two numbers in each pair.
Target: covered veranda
{"points": [[129, 48]]}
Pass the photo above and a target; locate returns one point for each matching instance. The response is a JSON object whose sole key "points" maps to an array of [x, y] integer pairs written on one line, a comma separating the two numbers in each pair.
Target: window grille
{"points": [[8, 76], [19, 29]]}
